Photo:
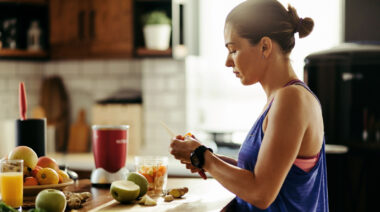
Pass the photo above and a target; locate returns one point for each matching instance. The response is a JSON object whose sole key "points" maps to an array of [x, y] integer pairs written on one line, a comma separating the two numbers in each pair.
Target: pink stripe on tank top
{"points": [[306, 163]]}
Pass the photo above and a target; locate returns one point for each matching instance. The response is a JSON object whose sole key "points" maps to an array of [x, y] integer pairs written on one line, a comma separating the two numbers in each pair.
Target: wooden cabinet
{"points": [[111, 28], [91, 29], [67, 29]]}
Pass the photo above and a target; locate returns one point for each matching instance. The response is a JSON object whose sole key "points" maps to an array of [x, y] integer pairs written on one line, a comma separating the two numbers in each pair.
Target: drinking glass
{"points": [[11, 182], [155, 170]]}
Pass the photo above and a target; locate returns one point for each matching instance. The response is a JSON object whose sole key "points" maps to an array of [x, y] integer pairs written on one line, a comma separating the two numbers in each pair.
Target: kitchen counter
{"points": [[203, 195], [85, 162]]}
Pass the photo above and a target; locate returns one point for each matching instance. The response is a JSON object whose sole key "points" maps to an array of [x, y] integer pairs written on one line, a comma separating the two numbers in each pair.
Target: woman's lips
{"points": [[237, 74]]}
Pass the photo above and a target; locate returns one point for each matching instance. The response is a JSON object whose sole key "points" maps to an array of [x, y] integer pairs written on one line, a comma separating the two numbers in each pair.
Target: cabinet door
{"points": [[110, 28], [68, 29]]}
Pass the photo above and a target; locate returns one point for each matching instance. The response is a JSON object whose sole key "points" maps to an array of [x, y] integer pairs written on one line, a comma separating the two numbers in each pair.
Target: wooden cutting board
{"points": [[79, 134], [203, 195]]}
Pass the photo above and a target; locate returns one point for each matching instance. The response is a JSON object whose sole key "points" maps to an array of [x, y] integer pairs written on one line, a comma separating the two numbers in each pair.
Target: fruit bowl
{"points": [[34, 190]]}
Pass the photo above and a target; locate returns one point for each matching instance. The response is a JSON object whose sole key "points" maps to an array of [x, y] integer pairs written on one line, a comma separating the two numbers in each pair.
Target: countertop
{"points": [[203, 195], [85, 162]]}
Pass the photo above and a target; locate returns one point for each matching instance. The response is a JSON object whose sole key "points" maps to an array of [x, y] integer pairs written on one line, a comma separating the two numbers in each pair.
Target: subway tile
{"points": [[94, 67], [3, 85], [50, 68], [28, 69], [69, 68], [7, 68], [118, 67]]}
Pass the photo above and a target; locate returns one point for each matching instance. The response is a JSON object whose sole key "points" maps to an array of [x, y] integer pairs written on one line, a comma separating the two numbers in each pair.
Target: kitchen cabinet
{"points": [[16, 19], [91, 29]]}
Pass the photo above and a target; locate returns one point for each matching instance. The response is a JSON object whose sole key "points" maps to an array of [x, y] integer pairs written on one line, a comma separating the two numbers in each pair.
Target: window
{"points": [[223, 104]]}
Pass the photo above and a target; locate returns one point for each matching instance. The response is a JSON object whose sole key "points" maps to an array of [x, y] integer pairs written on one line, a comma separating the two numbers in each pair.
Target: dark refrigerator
{"points": [[346, 80]]}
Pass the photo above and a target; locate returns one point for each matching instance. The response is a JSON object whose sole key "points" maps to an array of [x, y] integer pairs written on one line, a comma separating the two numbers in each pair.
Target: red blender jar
{"points": [[109, 145]]}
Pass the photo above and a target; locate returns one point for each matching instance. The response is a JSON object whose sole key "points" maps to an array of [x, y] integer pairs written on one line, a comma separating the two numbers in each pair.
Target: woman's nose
{"points": [[229, 62]]}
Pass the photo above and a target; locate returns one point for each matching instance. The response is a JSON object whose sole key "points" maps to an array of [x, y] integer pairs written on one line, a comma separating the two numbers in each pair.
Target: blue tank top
{"points": [[301, 191]]}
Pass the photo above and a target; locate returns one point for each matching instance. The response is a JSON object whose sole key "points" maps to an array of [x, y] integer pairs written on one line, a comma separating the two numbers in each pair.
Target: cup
{"points": [[11, 182], [32, 133], [155, 170]]}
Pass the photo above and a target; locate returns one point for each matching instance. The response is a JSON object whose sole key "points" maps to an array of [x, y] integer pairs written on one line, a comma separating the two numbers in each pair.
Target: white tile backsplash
{"points": [[162, 82]]}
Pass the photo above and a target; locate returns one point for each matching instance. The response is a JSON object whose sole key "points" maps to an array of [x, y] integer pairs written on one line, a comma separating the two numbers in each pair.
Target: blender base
{"points": [[102, 178]]}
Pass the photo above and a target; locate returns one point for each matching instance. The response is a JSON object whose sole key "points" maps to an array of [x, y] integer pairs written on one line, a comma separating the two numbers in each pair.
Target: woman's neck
{"points": [[279, 71]]}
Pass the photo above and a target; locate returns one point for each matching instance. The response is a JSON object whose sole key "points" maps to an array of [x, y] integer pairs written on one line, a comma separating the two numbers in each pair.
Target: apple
{"points": [[51, 200], [140, 180], [124, 191], [24, 153], [35, 171], [47, 162]]}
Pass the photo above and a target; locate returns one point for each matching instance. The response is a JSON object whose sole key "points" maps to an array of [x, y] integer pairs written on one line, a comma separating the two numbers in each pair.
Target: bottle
{"points": [[34, 34]]}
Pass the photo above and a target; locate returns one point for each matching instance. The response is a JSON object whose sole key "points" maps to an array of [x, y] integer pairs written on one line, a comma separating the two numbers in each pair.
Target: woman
{"points": [[281, 164]]}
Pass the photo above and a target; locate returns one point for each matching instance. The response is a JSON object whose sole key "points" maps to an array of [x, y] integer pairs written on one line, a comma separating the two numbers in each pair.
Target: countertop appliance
{"points": [[109, 144], [346, 79]]}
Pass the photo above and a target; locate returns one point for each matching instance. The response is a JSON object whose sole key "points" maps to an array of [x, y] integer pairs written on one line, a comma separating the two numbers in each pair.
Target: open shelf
{"points": [[144, 52], [18, 54]]}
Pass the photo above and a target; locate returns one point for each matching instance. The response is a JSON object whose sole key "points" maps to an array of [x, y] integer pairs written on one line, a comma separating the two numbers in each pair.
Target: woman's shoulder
{"points": [[291, 94], [295, 97]]}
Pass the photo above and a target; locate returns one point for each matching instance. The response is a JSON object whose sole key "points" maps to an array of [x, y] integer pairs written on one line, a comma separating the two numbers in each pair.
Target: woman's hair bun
{"points": [[301, 25]]}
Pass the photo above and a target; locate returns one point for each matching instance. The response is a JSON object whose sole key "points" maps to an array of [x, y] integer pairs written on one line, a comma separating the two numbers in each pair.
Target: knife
{"points": [[22, 101], [172, 134]]}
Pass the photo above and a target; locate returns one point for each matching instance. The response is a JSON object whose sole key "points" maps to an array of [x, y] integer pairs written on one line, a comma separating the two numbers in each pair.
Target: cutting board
{"points": [[203, 195], [79, 134]]}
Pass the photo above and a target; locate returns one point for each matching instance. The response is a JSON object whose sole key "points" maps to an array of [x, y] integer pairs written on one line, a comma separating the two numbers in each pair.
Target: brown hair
{"points": [[254, 19]]}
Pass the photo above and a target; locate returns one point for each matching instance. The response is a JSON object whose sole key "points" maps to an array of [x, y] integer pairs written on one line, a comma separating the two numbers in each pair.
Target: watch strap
{"points": [[199, 153]]}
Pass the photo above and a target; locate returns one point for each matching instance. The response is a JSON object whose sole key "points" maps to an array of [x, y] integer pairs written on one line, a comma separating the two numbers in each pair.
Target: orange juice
{"points": [[11, 184]]}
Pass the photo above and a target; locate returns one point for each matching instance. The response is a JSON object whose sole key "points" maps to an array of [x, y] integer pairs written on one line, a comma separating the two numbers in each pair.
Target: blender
{"points": [[109, 145]]}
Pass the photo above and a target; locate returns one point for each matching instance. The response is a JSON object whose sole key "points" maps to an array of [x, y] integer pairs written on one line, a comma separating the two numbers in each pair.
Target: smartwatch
{"points": [[197, 157]]}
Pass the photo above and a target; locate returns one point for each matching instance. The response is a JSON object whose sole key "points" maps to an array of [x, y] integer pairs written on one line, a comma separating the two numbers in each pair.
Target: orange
{"points": [[47, 176], [63, 176], [30, 181]]}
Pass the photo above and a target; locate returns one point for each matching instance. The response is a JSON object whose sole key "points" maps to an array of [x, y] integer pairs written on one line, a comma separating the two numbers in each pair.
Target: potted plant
{"points": [[156, 28]]}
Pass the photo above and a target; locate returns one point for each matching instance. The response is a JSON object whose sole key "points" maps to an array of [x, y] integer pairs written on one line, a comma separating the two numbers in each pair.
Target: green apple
{"points": [[51, 200], [124, 191], [140, 180]]}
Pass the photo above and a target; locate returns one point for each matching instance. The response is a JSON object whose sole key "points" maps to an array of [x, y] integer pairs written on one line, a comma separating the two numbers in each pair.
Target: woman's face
{"points": [[245, 59]]}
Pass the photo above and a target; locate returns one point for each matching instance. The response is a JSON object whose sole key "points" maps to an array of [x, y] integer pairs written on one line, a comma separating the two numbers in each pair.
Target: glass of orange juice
{"points": [[11, 182], [155, 170]]}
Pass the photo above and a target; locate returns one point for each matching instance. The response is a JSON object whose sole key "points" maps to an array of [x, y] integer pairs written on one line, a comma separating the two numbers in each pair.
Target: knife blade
{"points": [[172, 134]]}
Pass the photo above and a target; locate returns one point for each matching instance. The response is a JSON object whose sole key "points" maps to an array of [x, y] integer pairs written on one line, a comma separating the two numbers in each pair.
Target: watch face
{"points": [[195, 160]]}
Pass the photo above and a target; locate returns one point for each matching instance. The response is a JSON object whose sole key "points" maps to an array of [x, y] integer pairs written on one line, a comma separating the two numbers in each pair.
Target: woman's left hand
{"points": [[182, 148]]}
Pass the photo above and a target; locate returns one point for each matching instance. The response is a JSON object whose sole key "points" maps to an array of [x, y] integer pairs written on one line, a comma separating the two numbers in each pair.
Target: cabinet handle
{"points": [[81, 25], [92, 24]]}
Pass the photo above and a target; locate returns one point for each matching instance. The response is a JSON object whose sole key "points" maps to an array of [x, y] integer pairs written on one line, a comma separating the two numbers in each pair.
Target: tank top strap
{"points": [[299, 82], [267, 109]]}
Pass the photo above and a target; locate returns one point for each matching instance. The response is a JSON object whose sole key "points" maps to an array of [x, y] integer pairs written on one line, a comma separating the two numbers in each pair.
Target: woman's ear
{"points": [[266, 46]]}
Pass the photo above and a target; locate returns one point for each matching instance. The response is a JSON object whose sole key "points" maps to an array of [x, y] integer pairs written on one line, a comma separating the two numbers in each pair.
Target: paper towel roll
{"points": [[7, 137]]}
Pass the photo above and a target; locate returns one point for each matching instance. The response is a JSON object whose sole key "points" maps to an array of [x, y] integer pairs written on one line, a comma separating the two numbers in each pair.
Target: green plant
{"points": [[156, 17]]}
